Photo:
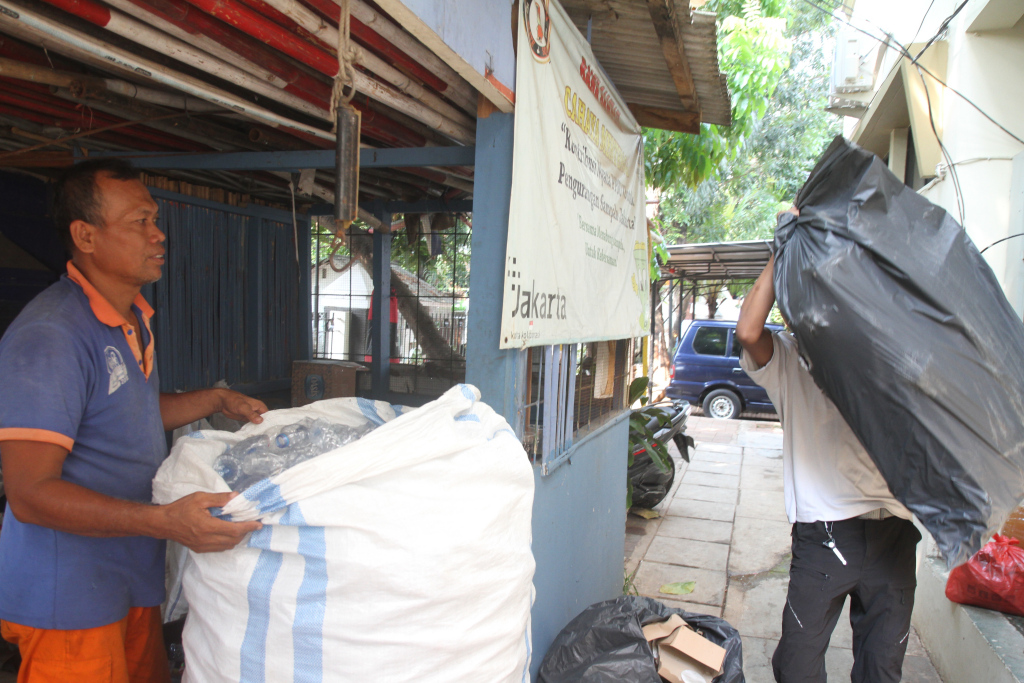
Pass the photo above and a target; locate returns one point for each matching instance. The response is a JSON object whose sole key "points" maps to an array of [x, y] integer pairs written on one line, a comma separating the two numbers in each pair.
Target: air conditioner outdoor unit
{"points": [[853, 69]]}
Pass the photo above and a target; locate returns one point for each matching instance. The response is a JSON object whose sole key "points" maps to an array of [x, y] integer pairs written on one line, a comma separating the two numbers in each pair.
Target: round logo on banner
{"points": [[538, 28]]}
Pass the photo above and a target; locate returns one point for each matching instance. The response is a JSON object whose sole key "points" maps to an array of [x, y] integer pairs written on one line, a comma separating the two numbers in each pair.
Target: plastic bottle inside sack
{"points": [[260, 457], [294, 436], [228, 467]]}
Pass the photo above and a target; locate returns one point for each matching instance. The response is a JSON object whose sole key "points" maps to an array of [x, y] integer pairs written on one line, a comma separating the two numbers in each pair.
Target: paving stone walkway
{"points": [[724, 526]]}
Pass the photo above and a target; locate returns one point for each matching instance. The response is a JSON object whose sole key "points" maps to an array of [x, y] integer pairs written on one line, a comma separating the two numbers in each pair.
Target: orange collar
{"points": [[108, 315], [101, 308]]}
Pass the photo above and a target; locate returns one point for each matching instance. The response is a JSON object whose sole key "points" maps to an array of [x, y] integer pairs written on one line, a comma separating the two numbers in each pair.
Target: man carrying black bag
{"points": [[851, 537]]}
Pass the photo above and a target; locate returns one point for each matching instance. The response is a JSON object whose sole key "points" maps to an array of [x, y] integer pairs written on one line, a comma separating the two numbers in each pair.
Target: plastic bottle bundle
{"points": [[266, 455]]}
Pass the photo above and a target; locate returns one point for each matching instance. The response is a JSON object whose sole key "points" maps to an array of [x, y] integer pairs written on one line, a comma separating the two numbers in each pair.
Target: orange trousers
{"points": [[127, 651]]}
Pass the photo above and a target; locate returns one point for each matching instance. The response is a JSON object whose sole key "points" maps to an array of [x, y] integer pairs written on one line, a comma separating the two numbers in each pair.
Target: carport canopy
{"points": [[717, 260]]}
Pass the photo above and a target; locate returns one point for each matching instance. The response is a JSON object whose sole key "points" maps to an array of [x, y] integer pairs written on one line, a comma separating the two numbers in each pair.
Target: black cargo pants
{"points": [[880, 578]]}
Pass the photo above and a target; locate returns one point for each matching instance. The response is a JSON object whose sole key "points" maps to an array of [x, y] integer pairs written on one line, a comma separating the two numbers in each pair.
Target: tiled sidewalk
{"points": [[724, 526]]}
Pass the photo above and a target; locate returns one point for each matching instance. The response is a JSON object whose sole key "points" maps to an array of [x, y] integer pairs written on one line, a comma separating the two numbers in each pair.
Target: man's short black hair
{"points": [[75, 197]]}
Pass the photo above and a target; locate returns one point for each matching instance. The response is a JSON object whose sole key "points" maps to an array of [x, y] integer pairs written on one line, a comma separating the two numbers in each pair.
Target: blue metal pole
{"points": [[305, 310], [380, 303], [421, 206], [498, 374], [293, 161]]}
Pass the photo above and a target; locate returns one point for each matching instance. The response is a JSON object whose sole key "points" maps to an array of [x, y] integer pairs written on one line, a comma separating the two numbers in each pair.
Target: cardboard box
{"points": [[663, 629], [678, 668], [313, 380], [683, 655]]}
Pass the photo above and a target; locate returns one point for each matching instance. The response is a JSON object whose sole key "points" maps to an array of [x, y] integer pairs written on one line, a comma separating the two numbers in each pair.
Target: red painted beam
{"points": [[266, 31], [196, 22], [285, 21], [30, 54], [371, 39], [13, 83], [72, 126], [83, 117], [92, 12]]}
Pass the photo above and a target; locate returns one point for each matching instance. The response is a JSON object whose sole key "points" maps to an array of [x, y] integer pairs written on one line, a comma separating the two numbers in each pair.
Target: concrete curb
{"points": [[965, 643]]}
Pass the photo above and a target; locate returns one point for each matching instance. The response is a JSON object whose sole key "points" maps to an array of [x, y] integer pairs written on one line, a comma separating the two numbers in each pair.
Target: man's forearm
{"points": [[757, 305], [38, 495], [61, 505], [755, 338], [178, 410]]}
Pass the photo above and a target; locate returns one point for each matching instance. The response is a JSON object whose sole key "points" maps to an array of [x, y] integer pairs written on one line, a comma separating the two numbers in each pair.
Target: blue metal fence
{"points": [[234, 302]]}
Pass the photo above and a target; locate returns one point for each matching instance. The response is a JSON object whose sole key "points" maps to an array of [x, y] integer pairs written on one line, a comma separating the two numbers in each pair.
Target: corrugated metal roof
{"points": [[718, 260], [224, 76], [627, 41]]}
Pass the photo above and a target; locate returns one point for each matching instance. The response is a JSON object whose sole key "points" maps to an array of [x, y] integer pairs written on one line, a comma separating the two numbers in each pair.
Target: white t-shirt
{"points": [[828, 474]]}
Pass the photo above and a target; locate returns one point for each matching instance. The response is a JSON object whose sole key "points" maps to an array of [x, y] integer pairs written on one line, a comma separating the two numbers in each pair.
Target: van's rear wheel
{"points": [[722, 404]]}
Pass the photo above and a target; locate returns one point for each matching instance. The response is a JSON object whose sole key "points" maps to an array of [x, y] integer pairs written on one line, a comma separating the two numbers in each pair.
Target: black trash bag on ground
{"points": [[906, 329], [650, 483], [606, 644]]}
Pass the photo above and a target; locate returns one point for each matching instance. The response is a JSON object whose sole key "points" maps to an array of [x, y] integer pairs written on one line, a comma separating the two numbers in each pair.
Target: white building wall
{"points": [[1014, 282], [987, 67]]}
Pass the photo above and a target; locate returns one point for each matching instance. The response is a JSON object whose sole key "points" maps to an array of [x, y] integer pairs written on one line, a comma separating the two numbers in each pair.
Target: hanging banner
{"points": [[576, 266]]}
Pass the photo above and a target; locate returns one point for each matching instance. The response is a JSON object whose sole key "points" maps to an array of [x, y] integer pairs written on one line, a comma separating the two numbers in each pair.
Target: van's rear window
{"points": [[710, 341]]}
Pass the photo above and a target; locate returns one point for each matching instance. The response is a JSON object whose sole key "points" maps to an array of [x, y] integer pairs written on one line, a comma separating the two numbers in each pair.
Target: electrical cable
{"points": [[1009, 237], [942, 27], [906, 53], [945, 153], [885, 43], [954, 177], [961, 203], [975, 160], [921, 25]]}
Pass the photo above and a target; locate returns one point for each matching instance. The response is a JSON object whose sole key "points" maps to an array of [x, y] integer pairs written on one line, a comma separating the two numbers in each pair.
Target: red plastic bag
{"points": [[993, 578]]}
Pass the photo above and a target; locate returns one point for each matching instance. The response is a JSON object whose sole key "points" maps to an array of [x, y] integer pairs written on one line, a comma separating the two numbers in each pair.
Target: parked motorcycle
{"points": [[651, 469]]}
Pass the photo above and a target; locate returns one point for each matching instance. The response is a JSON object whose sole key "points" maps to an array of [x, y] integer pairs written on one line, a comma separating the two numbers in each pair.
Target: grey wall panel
{"points": [[233, 303]]}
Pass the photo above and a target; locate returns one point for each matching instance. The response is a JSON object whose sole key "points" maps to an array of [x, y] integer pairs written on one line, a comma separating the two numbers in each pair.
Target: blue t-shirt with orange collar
{"points": [[75, 375]]}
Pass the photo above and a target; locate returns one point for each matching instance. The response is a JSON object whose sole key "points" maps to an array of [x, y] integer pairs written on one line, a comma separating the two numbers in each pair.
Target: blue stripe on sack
{"points": [[526, 666], [467, 418], [397, 408], [467, 392], [311, 601], [503, 430], [369, 409], [528, 636], [253, 664], [267, 496]]}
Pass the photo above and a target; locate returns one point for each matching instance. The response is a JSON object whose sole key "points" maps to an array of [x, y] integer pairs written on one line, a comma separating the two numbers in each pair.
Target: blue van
{"points": [[706, 372]]}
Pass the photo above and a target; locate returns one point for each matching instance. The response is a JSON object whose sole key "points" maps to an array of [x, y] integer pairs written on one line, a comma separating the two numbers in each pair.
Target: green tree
{"points": [[726, 185], [738, 200], [754, 53], [447, 268]]}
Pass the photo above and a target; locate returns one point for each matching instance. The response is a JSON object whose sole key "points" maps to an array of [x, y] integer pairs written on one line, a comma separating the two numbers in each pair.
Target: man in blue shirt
{"points": [[82, 427]]}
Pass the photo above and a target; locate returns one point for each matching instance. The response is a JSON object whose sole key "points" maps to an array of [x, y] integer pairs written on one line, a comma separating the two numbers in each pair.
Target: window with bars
{"points": [[429, 300], [571, 390]]}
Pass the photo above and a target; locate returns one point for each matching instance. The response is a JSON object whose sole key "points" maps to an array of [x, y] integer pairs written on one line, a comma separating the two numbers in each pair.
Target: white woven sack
{"points": [[404, 556]]}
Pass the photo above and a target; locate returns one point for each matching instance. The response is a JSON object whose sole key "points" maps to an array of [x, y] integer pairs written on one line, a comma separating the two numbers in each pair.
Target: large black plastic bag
{"points": [[650, 483], [606, 644], [906, 329]]}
